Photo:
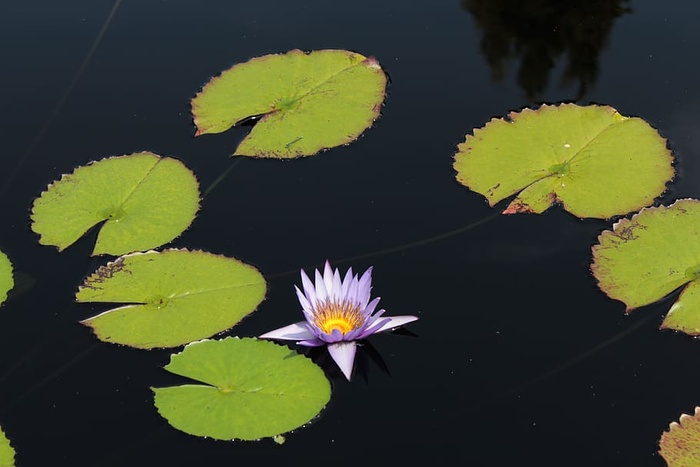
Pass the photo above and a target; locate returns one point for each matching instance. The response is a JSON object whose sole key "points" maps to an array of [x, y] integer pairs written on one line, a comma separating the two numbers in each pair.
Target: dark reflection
{"points": [[538, 32], [366, 353]]}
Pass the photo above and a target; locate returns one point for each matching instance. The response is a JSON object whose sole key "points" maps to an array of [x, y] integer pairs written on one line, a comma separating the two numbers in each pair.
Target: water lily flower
{"points": [[338, 313]]}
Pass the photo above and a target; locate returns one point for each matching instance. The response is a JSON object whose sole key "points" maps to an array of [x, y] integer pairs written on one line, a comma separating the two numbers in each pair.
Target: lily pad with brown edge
{"points": [[306, 102], [6, 277], [592, 160], [680, 445], [646, 257], [142, 201], [7, 453], [249, 389], [170, 298]]}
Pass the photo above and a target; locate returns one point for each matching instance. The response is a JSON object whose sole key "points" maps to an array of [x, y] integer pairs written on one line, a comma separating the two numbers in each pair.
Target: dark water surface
{"points": [[518, 359]]}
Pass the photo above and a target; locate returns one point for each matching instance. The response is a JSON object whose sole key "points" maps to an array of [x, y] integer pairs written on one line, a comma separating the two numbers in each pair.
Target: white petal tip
{"points": [[395, 322], [293, 332], [343, 353]]}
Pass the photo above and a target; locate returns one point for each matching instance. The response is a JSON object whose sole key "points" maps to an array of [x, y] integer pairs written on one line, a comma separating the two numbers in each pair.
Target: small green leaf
{"points": [[308, 101], [645, 258], [252, 389], [592, 160], [170, 298], [6, 279], [680, 445], [7, 454], [143, 199]]}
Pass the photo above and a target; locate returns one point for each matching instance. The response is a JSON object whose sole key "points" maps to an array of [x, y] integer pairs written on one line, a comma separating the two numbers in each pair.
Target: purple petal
{"points": [[328, 278], [373, 327], [394, 322], [337, 287], [309, 289], [303, 300], [346, 284], [356, 334], [315, 342], [343, 353], [365, 285], [369, 309], [320, 288], [352, 291], [334, 336], [292, 332], [367, 275], [367, 328]]}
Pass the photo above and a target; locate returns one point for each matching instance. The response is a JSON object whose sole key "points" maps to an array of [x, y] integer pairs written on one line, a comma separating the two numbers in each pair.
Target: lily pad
{"points": [[251, 389], [7, 454], [680, 445], [643, 259], [592, 160], [143, 201], [6, 279], [306, 102], [170, 298]]}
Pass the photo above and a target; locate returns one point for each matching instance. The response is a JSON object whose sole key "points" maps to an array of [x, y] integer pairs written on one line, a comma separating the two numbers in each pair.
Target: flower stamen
{"points": [[344, 317]]}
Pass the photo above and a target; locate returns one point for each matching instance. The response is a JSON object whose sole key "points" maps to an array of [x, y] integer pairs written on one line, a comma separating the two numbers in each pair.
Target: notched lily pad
{"points": [[594, 161], [680, 445], [142, 200], [646, 257], [306, 102], [7, 454], [170, 298], [250, 389], [6, 278]]}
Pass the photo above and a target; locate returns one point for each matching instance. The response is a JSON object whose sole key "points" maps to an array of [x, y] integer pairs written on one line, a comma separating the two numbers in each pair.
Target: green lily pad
{"points": [[170, 298], [307, 101], [143, 201], [7, 454], [645, 258], [6, 279], [680, 445], [251, 389], [592, 160]]}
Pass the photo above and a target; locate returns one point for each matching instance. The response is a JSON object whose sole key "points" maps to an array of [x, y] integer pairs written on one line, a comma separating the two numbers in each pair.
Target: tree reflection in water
{"points": [[538, 32]]}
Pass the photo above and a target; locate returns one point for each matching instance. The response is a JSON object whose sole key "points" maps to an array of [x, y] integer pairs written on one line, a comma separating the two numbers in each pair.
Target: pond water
{"points": [[517, 356]]}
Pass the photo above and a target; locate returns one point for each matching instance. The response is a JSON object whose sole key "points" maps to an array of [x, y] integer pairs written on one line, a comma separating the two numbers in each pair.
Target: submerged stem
{"points": [[405, 246], [221, 177], [62, 101], [562, 367]]}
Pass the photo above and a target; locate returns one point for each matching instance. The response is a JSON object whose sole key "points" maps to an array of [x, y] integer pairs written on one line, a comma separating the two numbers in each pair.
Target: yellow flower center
{"points": [[341, 316]]}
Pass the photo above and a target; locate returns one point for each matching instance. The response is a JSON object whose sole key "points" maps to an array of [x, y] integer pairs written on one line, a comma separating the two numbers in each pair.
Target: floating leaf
{"points": [[6, 279], [252, 389], [680, 445], [645, 258], [307, 101], [592, 160], [7, 454], [171, 297], [143, 199]]}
